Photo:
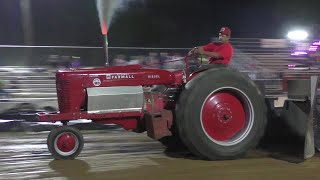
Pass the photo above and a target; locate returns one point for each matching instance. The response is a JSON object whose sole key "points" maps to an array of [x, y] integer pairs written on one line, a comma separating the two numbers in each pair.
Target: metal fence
{"points": [[29, 71]]}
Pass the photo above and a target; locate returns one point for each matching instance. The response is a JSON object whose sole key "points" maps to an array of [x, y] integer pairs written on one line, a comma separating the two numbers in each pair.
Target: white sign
{"points": [[273, 43], [302, 46]]}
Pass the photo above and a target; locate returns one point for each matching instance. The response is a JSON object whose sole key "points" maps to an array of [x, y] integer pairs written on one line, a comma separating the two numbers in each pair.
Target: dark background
{"points": [[155, 23]]}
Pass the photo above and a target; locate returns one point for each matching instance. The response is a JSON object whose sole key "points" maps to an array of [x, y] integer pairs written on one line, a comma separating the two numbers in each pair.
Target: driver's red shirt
{"points": [[225, 50]]}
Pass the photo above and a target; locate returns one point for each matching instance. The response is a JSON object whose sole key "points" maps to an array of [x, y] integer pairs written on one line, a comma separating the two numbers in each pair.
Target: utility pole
{"points": [[26, 17], [316, 31]]}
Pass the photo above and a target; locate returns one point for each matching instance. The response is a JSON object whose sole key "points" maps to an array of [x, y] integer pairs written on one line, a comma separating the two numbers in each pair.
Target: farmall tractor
{"points": [[214, 112]]}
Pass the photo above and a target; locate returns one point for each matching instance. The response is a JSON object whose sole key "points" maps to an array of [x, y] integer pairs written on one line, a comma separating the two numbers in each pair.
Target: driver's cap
{"points": [[225, 31]]}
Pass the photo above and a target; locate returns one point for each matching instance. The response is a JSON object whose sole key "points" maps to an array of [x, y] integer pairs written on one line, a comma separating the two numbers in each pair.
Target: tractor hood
{"points": [[131, 75]]}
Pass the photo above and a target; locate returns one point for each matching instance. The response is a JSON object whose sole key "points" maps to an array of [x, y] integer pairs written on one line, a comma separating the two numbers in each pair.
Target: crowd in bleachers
{"points": [[153, 60]]}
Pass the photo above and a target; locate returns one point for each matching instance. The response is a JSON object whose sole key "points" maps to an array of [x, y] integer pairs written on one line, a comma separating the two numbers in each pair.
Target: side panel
{"points": [[115, 99]]}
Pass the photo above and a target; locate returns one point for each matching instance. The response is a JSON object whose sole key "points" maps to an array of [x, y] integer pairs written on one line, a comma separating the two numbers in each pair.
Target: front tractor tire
{"points": [[221, 114], [65, 143]]}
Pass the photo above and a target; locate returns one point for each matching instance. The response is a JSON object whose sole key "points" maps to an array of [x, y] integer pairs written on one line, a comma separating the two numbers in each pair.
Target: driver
{"points": [[219, 52]]}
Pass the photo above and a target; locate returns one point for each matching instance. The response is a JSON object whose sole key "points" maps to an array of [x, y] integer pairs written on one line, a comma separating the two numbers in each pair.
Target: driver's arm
{"points": [[207, 53]]}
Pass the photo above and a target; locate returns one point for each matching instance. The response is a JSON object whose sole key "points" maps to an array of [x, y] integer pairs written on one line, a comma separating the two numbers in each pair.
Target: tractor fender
{"points": [[203, 68]]}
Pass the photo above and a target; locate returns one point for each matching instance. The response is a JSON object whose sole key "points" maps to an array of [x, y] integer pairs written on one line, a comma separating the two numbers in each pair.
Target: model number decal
{"points": [[154, 76], [119, 76]]}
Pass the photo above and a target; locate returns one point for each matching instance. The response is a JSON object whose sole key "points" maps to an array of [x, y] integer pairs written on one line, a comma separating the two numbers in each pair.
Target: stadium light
{"points": [[298, 35]]}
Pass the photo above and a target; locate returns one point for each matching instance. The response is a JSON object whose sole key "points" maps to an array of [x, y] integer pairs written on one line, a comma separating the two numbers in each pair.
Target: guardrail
{"points": [[265, 61]]}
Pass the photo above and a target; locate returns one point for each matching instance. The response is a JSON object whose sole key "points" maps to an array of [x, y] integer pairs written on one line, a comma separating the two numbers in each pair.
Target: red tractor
{"points": [[215, 112]]}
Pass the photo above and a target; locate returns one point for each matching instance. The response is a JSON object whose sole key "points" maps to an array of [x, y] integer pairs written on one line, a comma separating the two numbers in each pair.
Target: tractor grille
{"points": [[63, 93]]}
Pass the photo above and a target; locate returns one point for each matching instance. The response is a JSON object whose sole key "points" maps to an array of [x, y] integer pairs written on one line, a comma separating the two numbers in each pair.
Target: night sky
{"points": [[156, 23]]}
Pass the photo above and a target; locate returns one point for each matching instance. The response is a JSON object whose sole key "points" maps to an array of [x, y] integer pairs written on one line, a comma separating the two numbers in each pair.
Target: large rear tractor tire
{"points": [[221, 114]]}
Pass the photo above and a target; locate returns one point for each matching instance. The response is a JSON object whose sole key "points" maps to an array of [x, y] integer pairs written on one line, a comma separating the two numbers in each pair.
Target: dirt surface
{"points": [[116, 154]]}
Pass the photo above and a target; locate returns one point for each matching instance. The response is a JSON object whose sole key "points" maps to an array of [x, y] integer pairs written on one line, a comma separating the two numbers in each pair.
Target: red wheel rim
{"points": [[225, 117], [66, 143]]}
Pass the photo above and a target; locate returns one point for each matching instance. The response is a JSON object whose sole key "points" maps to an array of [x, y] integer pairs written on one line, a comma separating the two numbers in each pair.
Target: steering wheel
{"points": [[194, 62]]}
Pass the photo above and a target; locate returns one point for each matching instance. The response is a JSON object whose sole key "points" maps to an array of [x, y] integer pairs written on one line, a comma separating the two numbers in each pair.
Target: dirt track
{"points": [[123, 155]]}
